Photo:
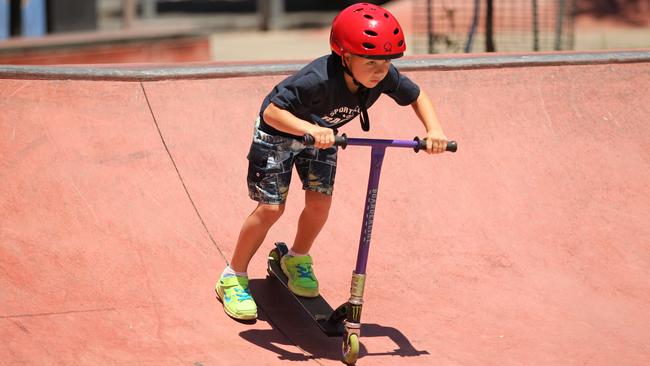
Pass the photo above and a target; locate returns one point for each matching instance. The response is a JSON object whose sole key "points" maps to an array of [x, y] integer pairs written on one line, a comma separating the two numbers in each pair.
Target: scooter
{"points": [[346, 319]]}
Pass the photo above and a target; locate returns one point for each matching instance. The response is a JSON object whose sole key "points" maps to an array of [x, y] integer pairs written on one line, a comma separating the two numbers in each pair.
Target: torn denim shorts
{"points": [[270, 163]]}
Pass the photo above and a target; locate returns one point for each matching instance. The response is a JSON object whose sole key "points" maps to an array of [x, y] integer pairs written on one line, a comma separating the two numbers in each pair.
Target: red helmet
{"points": [[367, 30]]}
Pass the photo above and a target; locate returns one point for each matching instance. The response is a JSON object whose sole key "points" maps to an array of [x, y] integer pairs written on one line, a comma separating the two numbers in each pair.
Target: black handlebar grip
{"points": [[341, 140], [308, 139], [452, 146]]}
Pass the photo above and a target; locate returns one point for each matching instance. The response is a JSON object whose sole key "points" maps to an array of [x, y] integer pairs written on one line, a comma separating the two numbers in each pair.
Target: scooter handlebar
{"points": [[417, 144]]}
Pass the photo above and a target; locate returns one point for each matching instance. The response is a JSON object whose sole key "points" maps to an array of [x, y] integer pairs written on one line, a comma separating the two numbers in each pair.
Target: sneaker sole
{"points": [[231, 314]]}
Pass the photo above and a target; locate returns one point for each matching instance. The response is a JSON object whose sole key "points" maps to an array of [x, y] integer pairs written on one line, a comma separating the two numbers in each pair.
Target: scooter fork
{"points": [[355, 304]]}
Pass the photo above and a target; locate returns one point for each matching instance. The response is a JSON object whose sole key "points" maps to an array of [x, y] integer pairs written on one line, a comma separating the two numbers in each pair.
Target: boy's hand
{"points": [[323, 136], [436, 142]]}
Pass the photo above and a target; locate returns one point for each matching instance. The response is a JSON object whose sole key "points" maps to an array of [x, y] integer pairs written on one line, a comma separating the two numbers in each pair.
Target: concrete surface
{"points": [[122, 200]]}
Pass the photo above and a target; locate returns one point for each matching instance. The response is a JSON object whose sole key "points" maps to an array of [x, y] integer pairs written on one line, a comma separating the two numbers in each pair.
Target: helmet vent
{"points": [[370, 33], [368, 16], [386, 15], [396, 31], [400, 43], [357, 10], [369, 46]]}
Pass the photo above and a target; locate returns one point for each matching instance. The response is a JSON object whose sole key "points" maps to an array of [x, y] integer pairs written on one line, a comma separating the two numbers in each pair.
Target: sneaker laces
{"points": [[304, 270], [243, 294]]}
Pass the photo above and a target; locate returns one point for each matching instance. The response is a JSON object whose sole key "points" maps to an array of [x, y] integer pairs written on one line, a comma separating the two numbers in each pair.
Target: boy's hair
{"points": [[369, 31]]}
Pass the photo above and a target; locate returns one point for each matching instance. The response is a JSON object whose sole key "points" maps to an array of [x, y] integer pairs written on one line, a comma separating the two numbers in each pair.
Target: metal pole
{"points": [[149, 9], [571, 12], [489, 27], [535, 27], [559, 25], [430, 34], [271, 13], [277, 14], [128, 13], [472, 29], [263, 12]]}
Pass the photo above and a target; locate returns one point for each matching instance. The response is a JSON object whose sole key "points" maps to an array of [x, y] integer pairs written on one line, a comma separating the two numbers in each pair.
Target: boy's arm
{"points": [[285, 121], [436, 139]]}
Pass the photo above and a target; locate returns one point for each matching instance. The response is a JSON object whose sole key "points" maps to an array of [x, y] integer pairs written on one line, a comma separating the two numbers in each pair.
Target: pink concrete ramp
{"points": [[120, 202]]}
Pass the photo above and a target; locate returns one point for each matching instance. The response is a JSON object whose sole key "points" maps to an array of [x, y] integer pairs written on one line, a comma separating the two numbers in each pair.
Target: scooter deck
{"points": [[316, 307]]}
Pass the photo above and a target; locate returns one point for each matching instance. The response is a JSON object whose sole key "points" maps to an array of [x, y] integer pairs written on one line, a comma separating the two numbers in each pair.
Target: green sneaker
{"points": [[236, 297], [302, 281]]}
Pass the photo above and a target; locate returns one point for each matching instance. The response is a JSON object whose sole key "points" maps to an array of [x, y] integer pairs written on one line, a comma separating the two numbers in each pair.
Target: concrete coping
{"points": [[149, 72]]}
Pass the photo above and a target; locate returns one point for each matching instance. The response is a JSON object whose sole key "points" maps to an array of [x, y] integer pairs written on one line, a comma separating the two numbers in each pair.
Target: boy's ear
{"points": [[346, 58]]}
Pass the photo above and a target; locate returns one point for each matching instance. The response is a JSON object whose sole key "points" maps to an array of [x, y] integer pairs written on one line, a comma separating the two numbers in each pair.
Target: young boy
{"points": [[335, 88]]}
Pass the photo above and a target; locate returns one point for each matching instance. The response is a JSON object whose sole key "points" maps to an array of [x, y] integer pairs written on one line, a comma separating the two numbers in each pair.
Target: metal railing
{"points": [[452, 26]]}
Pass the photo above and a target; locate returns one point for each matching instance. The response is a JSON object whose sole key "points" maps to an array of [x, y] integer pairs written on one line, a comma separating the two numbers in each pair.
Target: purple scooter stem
{"points": [[376, 160]]}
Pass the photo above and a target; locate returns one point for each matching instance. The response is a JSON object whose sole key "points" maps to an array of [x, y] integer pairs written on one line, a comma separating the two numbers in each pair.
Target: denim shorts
{"points": [[270, 163]]}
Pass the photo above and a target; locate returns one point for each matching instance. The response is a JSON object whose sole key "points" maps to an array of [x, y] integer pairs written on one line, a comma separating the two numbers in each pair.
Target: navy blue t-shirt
{"points": [[319, 88]]}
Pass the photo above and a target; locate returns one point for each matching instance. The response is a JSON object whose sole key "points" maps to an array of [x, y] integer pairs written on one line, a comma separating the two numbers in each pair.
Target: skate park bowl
{"points": [[124, 188]]}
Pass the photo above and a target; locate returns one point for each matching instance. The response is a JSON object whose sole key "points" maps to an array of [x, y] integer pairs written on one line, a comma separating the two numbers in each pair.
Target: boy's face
{"points": [[367, 72]]}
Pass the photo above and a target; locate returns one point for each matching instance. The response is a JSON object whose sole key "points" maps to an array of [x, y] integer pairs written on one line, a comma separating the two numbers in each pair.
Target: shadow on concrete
{"points": [[292, 326]]}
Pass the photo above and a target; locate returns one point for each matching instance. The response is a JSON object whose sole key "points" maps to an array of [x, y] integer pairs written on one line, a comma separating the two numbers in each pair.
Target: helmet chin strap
{"points": [[362, 94]]}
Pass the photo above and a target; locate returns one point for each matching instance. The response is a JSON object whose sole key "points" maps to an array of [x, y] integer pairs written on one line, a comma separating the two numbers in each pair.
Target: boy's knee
{"points": [[318, 202], [269, 212]]}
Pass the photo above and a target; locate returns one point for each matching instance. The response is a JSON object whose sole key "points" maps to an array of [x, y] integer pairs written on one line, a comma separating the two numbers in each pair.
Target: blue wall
{"points": [[33, 13], [4, 19]]}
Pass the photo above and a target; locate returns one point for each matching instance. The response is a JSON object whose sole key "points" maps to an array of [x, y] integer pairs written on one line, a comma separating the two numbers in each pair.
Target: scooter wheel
{"points": [[350, 349]]}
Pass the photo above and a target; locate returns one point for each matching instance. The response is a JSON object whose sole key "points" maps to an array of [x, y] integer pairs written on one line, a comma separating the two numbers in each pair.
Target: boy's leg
{"points": [[298, 264], [252, 234], [311, 222], [233, 289], [269, 175], [317, 169]]}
